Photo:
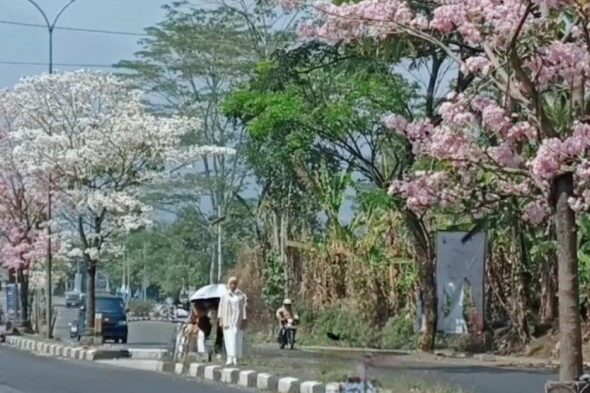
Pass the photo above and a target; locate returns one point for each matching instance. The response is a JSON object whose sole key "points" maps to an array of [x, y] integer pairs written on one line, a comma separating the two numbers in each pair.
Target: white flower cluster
{"points": [[90, 136]]}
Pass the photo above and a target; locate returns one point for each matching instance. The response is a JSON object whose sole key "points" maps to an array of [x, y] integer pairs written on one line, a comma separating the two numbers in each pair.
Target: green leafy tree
{"points": [[317, 110], [188, 63]]}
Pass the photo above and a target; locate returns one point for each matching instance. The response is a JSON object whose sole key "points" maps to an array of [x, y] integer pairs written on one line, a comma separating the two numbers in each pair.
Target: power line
{"points": [[57, 64], [115, 32], [99, 31]]}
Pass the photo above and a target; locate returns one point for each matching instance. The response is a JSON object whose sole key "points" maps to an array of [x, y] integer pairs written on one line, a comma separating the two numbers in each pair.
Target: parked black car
{"points": [[72, 299], [114, 319]]}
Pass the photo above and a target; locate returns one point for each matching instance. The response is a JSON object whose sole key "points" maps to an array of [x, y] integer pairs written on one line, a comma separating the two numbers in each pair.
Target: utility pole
{"points": [[50, 29], [216, 221], [219, 244], [144, 273]]}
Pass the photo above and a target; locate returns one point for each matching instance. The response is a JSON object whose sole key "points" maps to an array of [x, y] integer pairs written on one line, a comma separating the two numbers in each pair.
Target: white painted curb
{"points": [[288, 385], [265, 381], [196, 370], [311, 387], [333, 388], [57, 350], [230, 375], [247, 379], [212, 373]]}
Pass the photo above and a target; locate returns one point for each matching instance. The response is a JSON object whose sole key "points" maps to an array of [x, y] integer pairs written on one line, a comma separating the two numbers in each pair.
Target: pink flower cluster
{"points": [[505, 155], [367, 18], [20, 247], [554, 153], [454, 112], [424, 191], [477, 65], [471, 18], [560, 62], [536, 212]]}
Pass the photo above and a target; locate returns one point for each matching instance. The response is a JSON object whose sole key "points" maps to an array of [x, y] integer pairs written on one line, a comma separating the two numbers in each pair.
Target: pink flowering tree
{"points": [[519, 130], [22, 215]]}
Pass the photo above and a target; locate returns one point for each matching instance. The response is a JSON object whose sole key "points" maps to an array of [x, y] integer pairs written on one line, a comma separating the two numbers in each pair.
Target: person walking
{"points": [[232, 318]]}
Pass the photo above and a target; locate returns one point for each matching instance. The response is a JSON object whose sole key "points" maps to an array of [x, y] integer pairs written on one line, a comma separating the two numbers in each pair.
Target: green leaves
{"points": [[274, 278]]}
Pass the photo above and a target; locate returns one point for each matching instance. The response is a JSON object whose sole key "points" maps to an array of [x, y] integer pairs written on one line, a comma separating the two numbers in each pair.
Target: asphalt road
{"points": [[22, 372], [145, 334]]}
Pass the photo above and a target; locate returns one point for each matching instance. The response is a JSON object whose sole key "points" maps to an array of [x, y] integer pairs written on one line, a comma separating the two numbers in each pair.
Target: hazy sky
{"points": [[29, 44]]}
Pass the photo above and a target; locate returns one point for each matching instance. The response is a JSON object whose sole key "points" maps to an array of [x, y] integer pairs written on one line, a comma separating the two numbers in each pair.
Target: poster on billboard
{"points": [[12, 302]]}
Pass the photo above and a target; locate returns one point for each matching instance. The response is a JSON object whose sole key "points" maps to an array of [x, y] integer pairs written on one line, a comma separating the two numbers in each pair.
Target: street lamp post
{"points": [[50, 29]]}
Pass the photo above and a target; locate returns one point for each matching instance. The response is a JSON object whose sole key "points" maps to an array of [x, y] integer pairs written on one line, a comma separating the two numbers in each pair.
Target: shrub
{"points": [[399, 333], [354, 329]]}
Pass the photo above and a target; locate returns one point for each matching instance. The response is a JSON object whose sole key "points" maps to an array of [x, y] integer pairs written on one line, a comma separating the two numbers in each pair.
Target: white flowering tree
{"points": [[92, 135]]}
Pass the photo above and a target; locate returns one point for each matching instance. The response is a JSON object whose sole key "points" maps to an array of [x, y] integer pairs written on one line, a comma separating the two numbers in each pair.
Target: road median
{"points": [[56, 349]]}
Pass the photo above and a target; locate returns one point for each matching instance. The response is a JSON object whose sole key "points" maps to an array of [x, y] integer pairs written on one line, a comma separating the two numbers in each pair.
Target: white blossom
{"points": [[93, 137]]}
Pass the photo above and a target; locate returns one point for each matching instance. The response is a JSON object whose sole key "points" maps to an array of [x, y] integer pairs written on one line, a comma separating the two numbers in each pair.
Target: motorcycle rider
{"points": [[284, 313]]}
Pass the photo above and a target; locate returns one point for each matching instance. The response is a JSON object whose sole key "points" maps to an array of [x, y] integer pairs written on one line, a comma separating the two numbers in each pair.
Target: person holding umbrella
{"points": [[232, 318]]}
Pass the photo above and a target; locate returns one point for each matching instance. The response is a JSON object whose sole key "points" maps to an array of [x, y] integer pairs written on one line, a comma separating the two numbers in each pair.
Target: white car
{"points": [[181, 313]]}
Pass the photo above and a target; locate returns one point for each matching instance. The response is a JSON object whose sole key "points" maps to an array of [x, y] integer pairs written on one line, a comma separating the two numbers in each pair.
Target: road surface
{"points": [[22, 372], [145, 334]]}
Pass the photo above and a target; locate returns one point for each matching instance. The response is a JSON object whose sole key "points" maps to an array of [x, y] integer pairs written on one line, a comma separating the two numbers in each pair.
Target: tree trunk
{"points": [[276, 241], [570, 341], [429, 303], [91, 298], [212, 267], [549, 290], [427, 279]]}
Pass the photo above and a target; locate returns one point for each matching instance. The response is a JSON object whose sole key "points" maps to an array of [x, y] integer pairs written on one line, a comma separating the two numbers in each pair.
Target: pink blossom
{"points": [[447, 17], [505, 156], [446, 144], [521, 131], [560, 62], [363, 19], [536, 212], [547, 163], [495, 118], [454, 112], [476, 65], [470, 33], [583, 172], [578, 142], [479, 103], [424, 191], [522, 188], [419, 130]]}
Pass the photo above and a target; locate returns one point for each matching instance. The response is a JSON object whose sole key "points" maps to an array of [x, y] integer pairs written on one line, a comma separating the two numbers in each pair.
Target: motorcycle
{"points": [[287, 337]]}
